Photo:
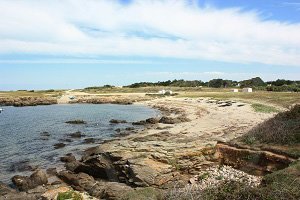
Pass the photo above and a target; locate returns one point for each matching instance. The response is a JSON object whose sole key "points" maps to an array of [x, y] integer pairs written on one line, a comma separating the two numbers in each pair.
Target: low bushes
{"points": [[283, 129]]}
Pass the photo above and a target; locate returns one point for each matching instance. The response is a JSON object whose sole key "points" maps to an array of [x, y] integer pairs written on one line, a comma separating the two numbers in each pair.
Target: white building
{"points": [[162, 92], [165, 92], [235, 90], [247, 89]]}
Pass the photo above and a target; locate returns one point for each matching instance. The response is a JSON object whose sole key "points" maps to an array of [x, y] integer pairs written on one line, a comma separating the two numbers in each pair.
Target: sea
{"points": [[24, 147]]}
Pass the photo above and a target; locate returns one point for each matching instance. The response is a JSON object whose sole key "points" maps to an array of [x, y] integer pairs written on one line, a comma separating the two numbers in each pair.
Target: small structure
{"points": [[1, 110], [235, 90], [247, 89], [165, 92], [162, 92]]}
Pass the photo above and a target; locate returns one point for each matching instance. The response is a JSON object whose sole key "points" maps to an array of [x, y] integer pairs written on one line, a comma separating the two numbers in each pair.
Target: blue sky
{"points": [[74, 44]]}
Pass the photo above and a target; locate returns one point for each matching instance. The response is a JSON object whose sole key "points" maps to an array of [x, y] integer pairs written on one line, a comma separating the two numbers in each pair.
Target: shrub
{"points": [[281, 129]]}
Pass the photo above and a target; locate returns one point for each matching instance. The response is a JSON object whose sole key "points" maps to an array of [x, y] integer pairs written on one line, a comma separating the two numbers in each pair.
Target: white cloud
{"points": [[146, 28]]}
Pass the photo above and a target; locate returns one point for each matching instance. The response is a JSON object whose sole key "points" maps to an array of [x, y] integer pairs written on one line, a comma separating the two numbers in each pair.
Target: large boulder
{"points": [[24, 183], [98, 166], [101, 190]]}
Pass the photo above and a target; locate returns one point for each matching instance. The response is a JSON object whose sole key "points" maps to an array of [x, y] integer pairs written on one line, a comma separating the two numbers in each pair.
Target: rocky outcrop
{"points": [[24, 183], [147, 122], [59, 145], [77, 134], [77, 121], [253, 161], [98, 166], [103, 190], [117, 121], [68, 158], [103, 100], [170, 120], [27, 101]]}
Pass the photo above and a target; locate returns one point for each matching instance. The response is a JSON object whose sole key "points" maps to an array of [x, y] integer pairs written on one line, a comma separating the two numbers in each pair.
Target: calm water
{"points": [[21, 143]]}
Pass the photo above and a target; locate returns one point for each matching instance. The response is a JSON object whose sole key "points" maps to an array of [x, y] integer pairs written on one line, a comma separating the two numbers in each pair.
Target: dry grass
{"points": [[40, 93], [281, 185], [282, 99], [264, 108], [283, 129]]}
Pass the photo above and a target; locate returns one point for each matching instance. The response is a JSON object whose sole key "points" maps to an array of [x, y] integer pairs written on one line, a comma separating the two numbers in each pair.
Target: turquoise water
{"points": [[20, 132]]}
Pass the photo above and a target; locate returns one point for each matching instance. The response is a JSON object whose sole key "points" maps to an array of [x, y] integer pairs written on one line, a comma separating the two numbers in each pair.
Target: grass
{"points": [[282, 99], [70, 195], [264, 108], [25, 93], [283, 129], [174, 164]]}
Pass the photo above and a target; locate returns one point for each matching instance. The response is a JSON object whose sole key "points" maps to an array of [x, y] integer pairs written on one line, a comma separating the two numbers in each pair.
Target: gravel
{"points": [[214, 176]]}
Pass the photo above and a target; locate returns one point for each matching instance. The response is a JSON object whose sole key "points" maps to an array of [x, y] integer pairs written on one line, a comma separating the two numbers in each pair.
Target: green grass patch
{"points": [[263, 108], [70, 195]]}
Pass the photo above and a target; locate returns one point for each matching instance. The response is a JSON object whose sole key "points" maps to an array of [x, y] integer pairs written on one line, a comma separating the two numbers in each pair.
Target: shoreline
{"points": [[165, 153]]}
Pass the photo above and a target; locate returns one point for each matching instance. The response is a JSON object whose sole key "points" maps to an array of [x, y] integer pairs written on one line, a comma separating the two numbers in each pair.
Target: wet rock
{"points": [[51, 171], [118, 130], [59, 145], [169, 120], [76, 122], [77, 134], [139, 123], [45, 134], [129, 128], [66, 140], [117, 121], [24, 183], [21, 166], [71, 166], [68, 158], [152, 121], [89, 140]]}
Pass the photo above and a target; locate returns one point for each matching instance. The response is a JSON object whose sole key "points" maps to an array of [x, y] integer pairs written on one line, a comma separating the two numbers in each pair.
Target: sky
{"points": [[79, 43]]}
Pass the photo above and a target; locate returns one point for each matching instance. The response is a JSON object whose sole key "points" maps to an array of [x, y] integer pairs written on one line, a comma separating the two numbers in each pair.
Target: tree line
{"points": [[257, 83]]}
